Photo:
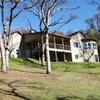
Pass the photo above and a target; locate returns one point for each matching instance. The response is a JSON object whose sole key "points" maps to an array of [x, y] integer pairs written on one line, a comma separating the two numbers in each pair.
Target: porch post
{"points": [[56, 58], [54, 42], [64, 57], [63, 43]]}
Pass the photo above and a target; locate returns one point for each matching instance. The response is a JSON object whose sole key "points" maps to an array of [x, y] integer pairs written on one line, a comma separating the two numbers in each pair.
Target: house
{"points": [[83, 48], [15, 41], [75, 47]]}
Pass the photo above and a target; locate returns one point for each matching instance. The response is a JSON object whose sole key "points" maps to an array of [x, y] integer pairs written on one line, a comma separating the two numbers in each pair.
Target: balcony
{"points": [[59, 46]]}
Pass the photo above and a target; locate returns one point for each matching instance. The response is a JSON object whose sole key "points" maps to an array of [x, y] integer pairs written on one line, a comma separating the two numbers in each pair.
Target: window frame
{"points": [[94, 46], [76, 56], [77, 45]]}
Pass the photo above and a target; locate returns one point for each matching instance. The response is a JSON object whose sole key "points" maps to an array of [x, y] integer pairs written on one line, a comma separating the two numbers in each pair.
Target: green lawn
{"points": [[27, 80]]}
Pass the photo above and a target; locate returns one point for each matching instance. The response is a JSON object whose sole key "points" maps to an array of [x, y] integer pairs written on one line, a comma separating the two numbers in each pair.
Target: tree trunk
{"points": [[7, 59], [4, 57], [48, 55], [43, 51], [3, 61]]}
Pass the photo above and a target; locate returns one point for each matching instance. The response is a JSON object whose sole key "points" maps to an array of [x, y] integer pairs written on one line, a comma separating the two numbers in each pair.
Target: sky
{"points": [[84, 12]]}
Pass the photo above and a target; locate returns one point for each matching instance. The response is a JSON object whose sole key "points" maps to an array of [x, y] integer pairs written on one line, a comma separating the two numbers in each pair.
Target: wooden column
{"points": [[63, 49], [64, 57], [63, 43], [54, 42], [56, 58]]}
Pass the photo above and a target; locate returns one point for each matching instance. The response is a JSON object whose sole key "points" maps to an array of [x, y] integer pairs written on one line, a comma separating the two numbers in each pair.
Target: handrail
{"points": [[59, 46]]}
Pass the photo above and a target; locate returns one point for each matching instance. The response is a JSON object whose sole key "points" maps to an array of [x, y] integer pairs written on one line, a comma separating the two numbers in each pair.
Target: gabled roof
{"points": [[18, 32], [59, 34], [72, 34], [85, 36], [55, 33], [22, 32], [88, 39]]}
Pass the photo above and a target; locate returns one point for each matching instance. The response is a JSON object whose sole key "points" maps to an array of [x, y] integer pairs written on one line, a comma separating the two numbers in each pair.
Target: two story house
{"points": [[75, 47], [83, 48]]}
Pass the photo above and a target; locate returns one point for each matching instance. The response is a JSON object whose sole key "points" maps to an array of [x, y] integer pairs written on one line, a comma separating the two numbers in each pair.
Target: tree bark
{"points": [[43, 51], [48, 55], [3, 57], [7, 58]]}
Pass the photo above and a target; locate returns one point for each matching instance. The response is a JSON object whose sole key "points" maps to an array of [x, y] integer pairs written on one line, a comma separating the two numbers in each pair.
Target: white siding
{"points": [[15, 43], [74, 50], [78, 51]]}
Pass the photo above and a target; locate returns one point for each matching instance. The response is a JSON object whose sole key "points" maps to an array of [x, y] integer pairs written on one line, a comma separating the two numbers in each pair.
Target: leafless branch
{"points": [[30, 26], [95, 2]]}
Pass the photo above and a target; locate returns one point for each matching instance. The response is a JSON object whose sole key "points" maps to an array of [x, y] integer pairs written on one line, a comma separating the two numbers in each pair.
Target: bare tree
{"points": [[10, 9], [95, 3], [86, 53], [50, 14], [94, 22], [94, 29]]}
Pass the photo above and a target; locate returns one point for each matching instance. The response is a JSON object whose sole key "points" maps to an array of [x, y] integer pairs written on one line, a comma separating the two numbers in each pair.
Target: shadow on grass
{"points": [[91, 73], [36, 65], [27, 71], [82, 71], [90, 97], [13, 90], [69, 98], [27, 62]]}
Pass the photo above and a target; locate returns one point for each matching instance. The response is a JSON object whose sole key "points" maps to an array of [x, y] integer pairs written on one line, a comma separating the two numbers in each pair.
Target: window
{"points": [[77, 45], [76, 56], [94, 45], [17, 52], [85, 45], [96, 58], [89, 45]]}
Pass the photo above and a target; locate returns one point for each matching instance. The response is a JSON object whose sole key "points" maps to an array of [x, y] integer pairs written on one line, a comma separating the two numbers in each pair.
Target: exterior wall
{"points": [[78, 54], [15, 44], [31, 45], [27, 46], [92, 50], [74, 50], [22, 48]]}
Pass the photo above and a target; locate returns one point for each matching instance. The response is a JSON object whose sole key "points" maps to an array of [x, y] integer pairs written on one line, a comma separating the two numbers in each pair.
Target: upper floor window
{"points": [[89, 45], [94, 46], [85, 46], [77, 45]]}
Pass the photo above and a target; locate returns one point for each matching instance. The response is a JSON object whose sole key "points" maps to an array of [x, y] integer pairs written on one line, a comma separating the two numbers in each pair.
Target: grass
{"points": [[27, 80], [77, 67], [26, 64]]}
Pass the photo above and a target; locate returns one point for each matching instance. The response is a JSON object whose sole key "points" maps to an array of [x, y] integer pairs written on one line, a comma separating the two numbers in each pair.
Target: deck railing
{"points": [[59, 46]]}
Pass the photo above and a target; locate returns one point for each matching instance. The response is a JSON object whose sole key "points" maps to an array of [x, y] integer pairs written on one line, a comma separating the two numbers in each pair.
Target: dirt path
{"points": [[27, 75]]}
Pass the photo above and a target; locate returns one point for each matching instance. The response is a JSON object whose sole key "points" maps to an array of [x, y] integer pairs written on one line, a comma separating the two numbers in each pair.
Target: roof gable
{"points": [[75, 33]]}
